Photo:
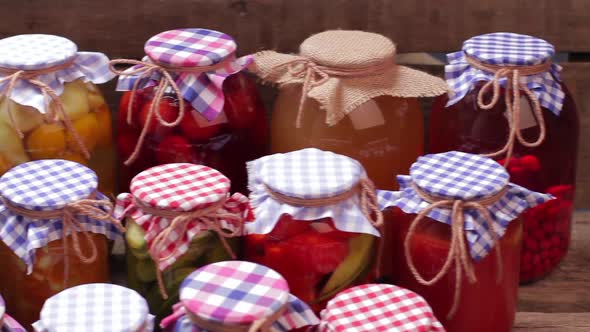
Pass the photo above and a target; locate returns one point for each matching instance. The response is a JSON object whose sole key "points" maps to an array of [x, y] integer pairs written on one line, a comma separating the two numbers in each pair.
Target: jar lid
{"points": [[234, 292], [378, 307], [505, 48], [459, 175], [180, 186], [190, 47], [47, 184], [95, 308], [35, 51], [310, 173]]}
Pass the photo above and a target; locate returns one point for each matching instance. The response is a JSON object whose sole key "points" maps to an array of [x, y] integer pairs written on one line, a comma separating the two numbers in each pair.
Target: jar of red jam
{"points": [[234, 296], [7, 323], [54, 227], [458, 237], [343, 92], [316, 221], [509, 103], [189, 101]]}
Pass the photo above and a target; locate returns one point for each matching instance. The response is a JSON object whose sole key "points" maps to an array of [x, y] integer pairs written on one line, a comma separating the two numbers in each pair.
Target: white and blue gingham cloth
{"points": [[462, 176], [506, 49], [45, 185], [38, 51], [308, 174], [95, 308]]}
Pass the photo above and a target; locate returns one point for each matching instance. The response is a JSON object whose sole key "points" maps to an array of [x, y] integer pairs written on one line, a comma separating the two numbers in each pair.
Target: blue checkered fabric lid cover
{"points": [[506, 49], [192, 48], [38, 51], [308, 174], [95, 308], [463, 176], [45, 185]]}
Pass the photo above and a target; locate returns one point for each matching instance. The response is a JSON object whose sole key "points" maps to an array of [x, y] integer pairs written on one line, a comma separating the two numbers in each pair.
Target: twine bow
{"points": [[89, 207], [209, 218], [458, 256], [13, 76], [314, 75], [145, 69], [512, 100]]}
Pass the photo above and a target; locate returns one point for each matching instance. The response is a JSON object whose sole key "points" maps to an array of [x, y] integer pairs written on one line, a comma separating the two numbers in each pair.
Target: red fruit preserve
{"points": [[549, 166], [222, 123], [310, 225]]}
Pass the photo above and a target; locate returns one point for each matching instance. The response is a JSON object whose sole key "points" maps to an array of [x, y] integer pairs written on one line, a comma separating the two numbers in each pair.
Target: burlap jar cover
{"points": [[343, 69]]}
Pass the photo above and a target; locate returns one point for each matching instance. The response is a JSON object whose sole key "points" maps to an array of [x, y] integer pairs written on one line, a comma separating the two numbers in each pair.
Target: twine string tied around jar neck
{"points": [[512, 100], [89, 207], [458, 257], [210, 218], [143, 70], [30, 76]]}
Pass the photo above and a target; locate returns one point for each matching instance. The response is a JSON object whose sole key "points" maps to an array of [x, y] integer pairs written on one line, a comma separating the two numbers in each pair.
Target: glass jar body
{"points": [[237, 135], [385, 134], [25, 294], [315, 258], [45, 138], [429, 247], [548, 168]]}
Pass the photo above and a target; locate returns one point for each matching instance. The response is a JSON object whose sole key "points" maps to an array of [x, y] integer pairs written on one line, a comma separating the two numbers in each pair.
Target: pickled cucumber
{"points": [[146, 270], [135, 236]]}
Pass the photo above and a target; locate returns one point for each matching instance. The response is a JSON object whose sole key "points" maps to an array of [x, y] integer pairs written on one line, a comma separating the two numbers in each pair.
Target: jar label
{"points": [[527, 117], [366, 116]]}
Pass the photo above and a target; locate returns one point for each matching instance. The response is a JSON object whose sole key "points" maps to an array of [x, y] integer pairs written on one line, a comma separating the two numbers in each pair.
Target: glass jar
{"points": [[7, 323], [444, 249], [95, 307], [223, 121], [549, 167], [359, 104], [66, 119], [213, 298], [316, 235], [178, 218], [37, 259]]}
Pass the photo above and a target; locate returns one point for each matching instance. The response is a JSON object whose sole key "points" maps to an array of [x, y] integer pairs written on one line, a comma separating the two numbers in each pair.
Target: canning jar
{"points": [[458, 237], [509, 103], [50, 107], [54, 227], [7, 323], [189, 101], [237, 296], [378, 307], [344, 93], [178, 218], [97, 308], [316, 221]]}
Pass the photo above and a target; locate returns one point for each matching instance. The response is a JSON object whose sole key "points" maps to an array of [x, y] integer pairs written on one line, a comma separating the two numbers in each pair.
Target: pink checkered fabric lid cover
{"points": [[187, 48], [378, 307], [7, 323], [179, 187]]}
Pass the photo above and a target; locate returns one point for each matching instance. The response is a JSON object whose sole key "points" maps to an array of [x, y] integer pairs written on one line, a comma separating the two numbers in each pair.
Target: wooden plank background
{"points": [[120, 28]]}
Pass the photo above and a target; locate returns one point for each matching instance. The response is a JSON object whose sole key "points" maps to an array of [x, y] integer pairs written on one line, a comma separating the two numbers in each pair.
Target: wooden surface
{"points": [[552, 322]]}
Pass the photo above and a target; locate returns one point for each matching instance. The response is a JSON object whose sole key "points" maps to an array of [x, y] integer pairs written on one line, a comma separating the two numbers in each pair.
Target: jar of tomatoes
{"points": [[7, 323], [189, 101], [178, 219], [237, 296], [344, 93], [54, 226], [95, 307], [509, 103], [50, 107], [316, 221], [458, 237]]}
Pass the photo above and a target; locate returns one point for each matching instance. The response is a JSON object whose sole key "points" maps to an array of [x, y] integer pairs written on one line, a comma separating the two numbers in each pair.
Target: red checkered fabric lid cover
{"points": [[378, 307]]}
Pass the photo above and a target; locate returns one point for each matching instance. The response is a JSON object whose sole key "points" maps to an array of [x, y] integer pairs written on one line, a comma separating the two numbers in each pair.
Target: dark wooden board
{"points": [[552, 322]]}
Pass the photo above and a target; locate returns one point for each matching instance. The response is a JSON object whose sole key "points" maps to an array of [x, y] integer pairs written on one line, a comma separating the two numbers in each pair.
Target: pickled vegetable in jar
{"points": [[458, 237], [344, 93], [54, 227], [178, 219], [237, 296], [97, 308], [378, 307], [7, 323], [189, 101], [316, 221], [504, 76], [50, 107]]}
